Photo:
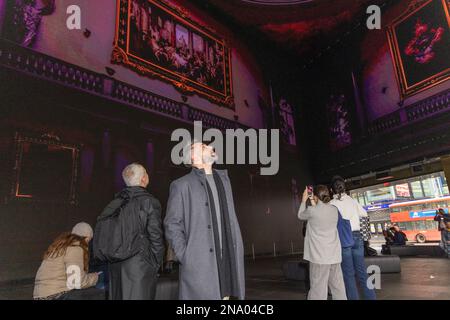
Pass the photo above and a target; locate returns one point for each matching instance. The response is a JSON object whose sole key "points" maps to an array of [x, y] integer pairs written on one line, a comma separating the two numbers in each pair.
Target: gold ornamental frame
{"points": [[408, 89], [121, 54]]}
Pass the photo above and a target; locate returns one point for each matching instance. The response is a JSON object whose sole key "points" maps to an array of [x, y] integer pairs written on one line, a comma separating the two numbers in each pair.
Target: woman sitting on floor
{"points": [[63, 272]]}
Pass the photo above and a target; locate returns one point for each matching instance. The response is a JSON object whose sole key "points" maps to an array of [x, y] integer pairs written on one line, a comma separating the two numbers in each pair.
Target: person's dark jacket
{"points": [[135, 278], [441, 220], [399, 238]]}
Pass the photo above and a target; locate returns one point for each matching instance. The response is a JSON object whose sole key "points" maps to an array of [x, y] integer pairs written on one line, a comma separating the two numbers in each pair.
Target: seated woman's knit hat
{"points": [[83, 229]]}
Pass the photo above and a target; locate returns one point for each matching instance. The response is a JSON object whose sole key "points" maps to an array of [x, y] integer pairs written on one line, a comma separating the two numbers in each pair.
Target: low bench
{"points": [[417, 250], [386, 263], [299, 269]]}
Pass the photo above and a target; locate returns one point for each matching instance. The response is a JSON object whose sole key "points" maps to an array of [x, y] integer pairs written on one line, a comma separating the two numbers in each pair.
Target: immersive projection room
{"points": [[224, 150]]}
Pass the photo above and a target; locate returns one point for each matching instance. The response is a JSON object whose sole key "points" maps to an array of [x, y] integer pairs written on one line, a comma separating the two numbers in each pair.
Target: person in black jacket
{"points": [[399, 236], [442, 219], [136, 277]]}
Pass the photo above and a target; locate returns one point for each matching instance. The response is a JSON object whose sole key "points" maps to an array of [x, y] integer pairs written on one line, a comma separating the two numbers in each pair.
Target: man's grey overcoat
{"points": [[189, 230]]}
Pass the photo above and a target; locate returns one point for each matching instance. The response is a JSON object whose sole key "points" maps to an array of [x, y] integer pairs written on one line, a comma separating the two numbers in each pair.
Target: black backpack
{"points": [[118, 231], [370, 252]]}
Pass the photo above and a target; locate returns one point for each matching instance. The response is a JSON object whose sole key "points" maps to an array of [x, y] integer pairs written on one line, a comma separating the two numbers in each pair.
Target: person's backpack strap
{"points": [[113, 208]]}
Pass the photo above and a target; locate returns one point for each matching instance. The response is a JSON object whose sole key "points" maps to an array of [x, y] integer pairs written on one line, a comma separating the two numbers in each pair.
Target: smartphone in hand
{"points": [[310, 191], [101, 280]]}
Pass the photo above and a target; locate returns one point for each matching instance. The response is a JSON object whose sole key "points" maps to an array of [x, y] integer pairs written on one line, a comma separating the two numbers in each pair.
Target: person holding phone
{"points": [[322, 245]]}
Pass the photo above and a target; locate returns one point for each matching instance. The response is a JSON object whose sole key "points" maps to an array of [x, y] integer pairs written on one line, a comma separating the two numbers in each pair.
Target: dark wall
{"points": [[111, 135]]}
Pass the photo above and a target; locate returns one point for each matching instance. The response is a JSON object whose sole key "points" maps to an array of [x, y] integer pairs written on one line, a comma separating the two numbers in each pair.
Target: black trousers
{"points": [[132, 279]]}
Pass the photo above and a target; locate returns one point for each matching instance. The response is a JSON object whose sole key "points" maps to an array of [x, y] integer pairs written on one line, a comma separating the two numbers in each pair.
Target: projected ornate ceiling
{"points": [[296, 24]]}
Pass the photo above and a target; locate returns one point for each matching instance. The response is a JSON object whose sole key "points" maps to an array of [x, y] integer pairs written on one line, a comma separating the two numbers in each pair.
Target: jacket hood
{"points": [[129, 192]]}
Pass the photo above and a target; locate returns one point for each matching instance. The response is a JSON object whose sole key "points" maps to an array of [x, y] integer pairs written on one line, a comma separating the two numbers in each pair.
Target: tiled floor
{"points": [[421, 278]]}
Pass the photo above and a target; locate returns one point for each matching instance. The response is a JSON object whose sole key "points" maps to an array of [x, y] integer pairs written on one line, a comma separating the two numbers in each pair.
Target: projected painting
{"points": [[286, 121], [157, 39], [420, 46], [339, 121]]}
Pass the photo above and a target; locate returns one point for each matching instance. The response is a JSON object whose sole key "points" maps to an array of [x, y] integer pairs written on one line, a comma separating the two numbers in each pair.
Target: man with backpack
{"points": [[128, 236]]}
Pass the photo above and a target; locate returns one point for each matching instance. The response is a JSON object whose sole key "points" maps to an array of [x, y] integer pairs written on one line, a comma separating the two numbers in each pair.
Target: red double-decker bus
{"points": [[416, 218]]}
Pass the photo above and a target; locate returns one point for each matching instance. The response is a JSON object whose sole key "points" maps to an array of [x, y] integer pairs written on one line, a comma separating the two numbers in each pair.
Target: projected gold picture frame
{"points": [[157, 39], [419, 41], [45, 169]]}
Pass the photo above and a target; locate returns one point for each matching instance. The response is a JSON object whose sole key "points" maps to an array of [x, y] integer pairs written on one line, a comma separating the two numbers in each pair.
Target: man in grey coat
{"points": [[202, 228]]}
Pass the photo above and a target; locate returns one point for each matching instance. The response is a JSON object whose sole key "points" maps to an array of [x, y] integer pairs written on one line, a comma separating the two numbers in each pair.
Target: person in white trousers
{"points": [[322, 246]]}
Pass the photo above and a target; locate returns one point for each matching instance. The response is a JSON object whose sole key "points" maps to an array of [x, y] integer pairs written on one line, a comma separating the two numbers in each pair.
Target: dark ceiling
{"points": [[303, 26], [258, 13]]}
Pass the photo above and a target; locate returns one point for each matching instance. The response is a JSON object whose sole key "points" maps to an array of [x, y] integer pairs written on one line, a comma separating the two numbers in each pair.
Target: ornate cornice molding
{"points": [[422, 109], [49, 68]]}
